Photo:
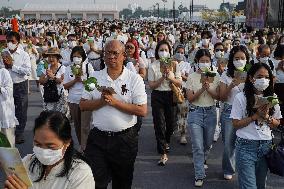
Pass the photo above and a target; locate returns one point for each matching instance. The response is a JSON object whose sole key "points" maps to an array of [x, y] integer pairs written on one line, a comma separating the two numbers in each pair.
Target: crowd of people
{"points": [[205, 80]]}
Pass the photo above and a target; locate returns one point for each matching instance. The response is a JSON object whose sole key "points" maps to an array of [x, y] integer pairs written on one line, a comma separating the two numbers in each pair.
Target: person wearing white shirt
{"points": [[253, 123], [279, 67], [65, 53], [160, 76], [202, 93], [184, 68], [114, 117], [230, 86], [19, 65], [54, 74], [54, 163], [74, 84], [8, 120]]}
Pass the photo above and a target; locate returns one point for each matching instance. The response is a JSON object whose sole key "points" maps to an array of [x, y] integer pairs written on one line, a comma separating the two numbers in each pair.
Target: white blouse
{"points": [[7, 107], [252, 131], [80, 176]]}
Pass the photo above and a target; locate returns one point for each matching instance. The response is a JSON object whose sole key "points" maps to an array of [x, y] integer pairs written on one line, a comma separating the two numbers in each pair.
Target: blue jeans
{"points": [[251, 164], [228, 138], [201, 123]]}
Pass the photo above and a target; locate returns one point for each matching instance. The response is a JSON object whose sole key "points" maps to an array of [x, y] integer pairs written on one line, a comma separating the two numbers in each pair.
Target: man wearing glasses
{"points": [[113, 140]]}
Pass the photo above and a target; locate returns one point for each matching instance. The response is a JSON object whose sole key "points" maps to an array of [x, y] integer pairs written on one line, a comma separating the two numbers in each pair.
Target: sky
{"points": [[145, 4]]}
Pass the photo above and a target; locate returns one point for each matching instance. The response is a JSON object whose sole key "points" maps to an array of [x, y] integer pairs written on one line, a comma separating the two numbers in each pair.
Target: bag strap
{"points": [[57, 70], [87, 70]]}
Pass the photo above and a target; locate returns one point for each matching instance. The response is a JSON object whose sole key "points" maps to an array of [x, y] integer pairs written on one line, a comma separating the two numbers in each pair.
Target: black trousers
{"points": [[164, 117], [20, 93], [112, 158]]}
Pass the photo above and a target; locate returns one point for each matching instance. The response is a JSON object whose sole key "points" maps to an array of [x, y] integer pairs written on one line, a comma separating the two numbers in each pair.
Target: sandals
{"points": [[162, 161]]}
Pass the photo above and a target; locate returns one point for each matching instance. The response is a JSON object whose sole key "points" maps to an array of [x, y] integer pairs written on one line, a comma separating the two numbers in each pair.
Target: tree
{"points": [[127, 13]]}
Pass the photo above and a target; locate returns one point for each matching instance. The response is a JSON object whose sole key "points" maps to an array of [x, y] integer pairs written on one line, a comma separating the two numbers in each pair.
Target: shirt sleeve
{"points": [[141, 63], [223, 78], [237, 112], [188, 84], [25, 68], [277, 112], [87, 95], [151, 74], [139, 92], [67, 74], [178, 73], [6, 85], [82, 177]]}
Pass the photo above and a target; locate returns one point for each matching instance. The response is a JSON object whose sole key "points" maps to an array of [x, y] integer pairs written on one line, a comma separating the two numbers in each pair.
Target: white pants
{"points": [[10, 134]]}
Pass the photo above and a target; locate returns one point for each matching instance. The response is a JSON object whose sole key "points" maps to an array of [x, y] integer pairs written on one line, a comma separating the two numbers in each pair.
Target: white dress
{"points": [[7, 107]]}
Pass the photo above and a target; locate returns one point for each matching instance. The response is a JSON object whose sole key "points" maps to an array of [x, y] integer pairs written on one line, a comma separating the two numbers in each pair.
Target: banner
{"points": [[256, 12], [274, 12]]}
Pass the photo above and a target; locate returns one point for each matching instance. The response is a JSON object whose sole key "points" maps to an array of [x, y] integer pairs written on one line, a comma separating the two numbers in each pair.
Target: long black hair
{"points": [[250, 91], [60, 125], [231, 67]]}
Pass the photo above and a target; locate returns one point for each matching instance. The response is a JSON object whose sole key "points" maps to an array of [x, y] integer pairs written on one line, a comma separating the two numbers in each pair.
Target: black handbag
{"points": [[275, 157], [50, 91]]}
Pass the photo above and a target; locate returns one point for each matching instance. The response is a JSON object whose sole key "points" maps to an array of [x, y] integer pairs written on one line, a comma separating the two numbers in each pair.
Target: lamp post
{"points": [[164, 1], [157, 4]]}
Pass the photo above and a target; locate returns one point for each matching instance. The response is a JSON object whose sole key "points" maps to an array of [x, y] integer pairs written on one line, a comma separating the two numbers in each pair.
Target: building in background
{"points": [[54, 9]]}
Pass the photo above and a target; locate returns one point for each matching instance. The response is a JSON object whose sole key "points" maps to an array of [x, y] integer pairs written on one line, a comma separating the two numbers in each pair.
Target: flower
{"points": [[91, 84], [273, 100], [209, 73], [76, 70]]}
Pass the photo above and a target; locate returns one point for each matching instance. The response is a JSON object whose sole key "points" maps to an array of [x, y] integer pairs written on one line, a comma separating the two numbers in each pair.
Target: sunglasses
{"points": [[129, 47], [217, 50]]}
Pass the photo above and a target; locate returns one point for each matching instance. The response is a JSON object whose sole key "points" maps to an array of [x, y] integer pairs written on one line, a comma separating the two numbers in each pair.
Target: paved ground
{"points": [[177, 174]]}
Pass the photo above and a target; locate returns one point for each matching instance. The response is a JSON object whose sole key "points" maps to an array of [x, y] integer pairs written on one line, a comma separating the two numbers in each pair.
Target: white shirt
{"points": [[154, 74], [75, 92], [65, 53], [184, 68], [80, 176], [134, 92], [252, 131], [7, 107], [21, 68], [234, 91], [279, 73]]}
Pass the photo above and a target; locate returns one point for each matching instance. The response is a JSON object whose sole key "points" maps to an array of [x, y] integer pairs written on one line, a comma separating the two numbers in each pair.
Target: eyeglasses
{"points": [[217, 50], [129, 47], [114, 53]]}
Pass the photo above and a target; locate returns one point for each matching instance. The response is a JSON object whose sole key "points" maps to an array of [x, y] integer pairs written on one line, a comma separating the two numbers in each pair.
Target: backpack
{"points": [[50, 93]]}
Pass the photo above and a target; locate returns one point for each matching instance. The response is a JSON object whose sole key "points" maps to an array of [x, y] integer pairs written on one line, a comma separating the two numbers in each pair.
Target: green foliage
{"points": [[88, 84]]}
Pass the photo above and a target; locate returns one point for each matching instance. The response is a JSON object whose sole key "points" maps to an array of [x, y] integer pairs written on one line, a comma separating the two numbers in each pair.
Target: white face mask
{"points": [[282, 43], [72, 44], [264, 59], [12, 46], [48, 156], [261, 84], [219, 54], [204, 66], [205, 41], [164, 54], [77, 60], [240, 64]]}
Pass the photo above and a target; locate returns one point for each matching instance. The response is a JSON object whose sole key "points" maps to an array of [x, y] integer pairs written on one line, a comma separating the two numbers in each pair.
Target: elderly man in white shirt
{"points": [[113, 141], [17, 62]]}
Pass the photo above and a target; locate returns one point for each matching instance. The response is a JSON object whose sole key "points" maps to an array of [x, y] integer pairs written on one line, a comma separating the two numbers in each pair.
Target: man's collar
{"points": [[122, 76]]}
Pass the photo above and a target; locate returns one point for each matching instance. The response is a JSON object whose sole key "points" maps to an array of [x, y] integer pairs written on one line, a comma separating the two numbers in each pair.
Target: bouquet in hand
{"points": [[91, 84], [209, 73], [271, 101], [167, 62], [45, 64], [77, 70]]}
